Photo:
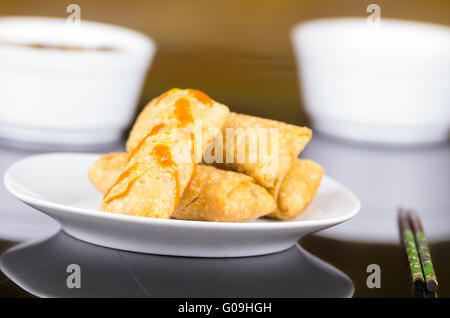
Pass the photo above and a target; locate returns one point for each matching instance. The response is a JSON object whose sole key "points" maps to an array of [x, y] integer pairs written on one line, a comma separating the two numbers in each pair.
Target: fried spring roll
{"points": [[155, 175], [107, 169], [223, 196], [270, 164], [213, 195], [298, 189], [186, 107], [164, 152]]}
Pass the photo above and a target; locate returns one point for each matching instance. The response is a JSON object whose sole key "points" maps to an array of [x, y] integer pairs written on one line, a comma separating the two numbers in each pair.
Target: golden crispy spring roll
{"points": [[267, 165], [213, 195], [298, 189], [223, 196], [164, 152], [185, 106], [107, 169], [155, 176]]}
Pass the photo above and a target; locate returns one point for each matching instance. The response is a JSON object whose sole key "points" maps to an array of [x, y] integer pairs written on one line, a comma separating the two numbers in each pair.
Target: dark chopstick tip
{"points": [[431, 285]]}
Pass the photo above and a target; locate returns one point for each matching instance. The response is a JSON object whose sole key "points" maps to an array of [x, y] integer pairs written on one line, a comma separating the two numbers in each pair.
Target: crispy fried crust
{"points": [[213, 195], [105, 171], [298, 189], [223, 196], [270, 167], [202, 108], [154, 177]]}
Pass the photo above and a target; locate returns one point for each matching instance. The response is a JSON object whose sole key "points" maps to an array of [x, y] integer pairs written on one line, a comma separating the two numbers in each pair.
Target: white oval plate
{"points": [[57, 185]]}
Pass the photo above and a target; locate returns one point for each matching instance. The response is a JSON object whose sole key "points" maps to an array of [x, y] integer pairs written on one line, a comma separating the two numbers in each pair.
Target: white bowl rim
{"points": [[147, 45], [392, 21], [339, 35]]}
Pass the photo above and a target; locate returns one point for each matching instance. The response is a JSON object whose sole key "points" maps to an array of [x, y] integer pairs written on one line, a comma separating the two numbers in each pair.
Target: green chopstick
{"points": [[409, 244], [431, 283]]}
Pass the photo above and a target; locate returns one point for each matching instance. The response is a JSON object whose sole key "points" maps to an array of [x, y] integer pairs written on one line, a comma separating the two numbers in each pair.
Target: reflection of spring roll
{"points": [[156, 174], [270, 163], [213, 195], [186, 106], [163, 153], [298, 188]]}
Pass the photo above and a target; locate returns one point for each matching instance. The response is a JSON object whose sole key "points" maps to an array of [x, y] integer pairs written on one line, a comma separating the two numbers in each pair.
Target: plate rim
{"points": [[9, 182]]}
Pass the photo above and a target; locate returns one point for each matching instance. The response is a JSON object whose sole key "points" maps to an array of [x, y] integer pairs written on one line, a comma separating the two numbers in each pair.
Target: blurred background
{"points": [[237, 51]]}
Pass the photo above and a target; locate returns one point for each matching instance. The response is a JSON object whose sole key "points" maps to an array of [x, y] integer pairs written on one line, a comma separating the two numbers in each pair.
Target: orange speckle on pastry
{"points": [[152, 132], [201, 97], [183, 112], [164, 158]]}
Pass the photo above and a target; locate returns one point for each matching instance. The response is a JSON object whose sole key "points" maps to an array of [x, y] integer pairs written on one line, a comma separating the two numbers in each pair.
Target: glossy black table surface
{"points": [[35, 254]]}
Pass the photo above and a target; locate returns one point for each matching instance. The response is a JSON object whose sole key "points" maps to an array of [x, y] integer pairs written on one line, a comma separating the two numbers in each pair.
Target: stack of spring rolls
{"points": [[189, 158]]}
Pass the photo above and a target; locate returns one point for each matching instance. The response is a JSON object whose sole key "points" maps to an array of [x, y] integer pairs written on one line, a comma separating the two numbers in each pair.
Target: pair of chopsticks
{"points": [[419, 258]]}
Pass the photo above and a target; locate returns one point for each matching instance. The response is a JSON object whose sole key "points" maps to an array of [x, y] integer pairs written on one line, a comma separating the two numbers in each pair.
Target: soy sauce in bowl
{"points": [[62, 47]]}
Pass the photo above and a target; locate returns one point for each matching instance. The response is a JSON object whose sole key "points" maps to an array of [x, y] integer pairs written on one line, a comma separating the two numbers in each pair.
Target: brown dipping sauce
{"points": [[63, 47]]}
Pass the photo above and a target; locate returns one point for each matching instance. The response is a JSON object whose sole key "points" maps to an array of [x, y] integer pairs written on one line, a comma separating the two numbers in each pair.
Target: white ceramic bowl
{"points": [[385, 83], [69, 98]]}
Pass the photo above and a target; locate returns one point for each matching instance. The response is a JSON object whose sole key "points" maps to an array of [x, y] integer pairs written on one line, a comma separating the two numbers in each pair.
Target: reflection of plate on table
{"points": [[57, 185], [40, 268], [385, 179]]}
